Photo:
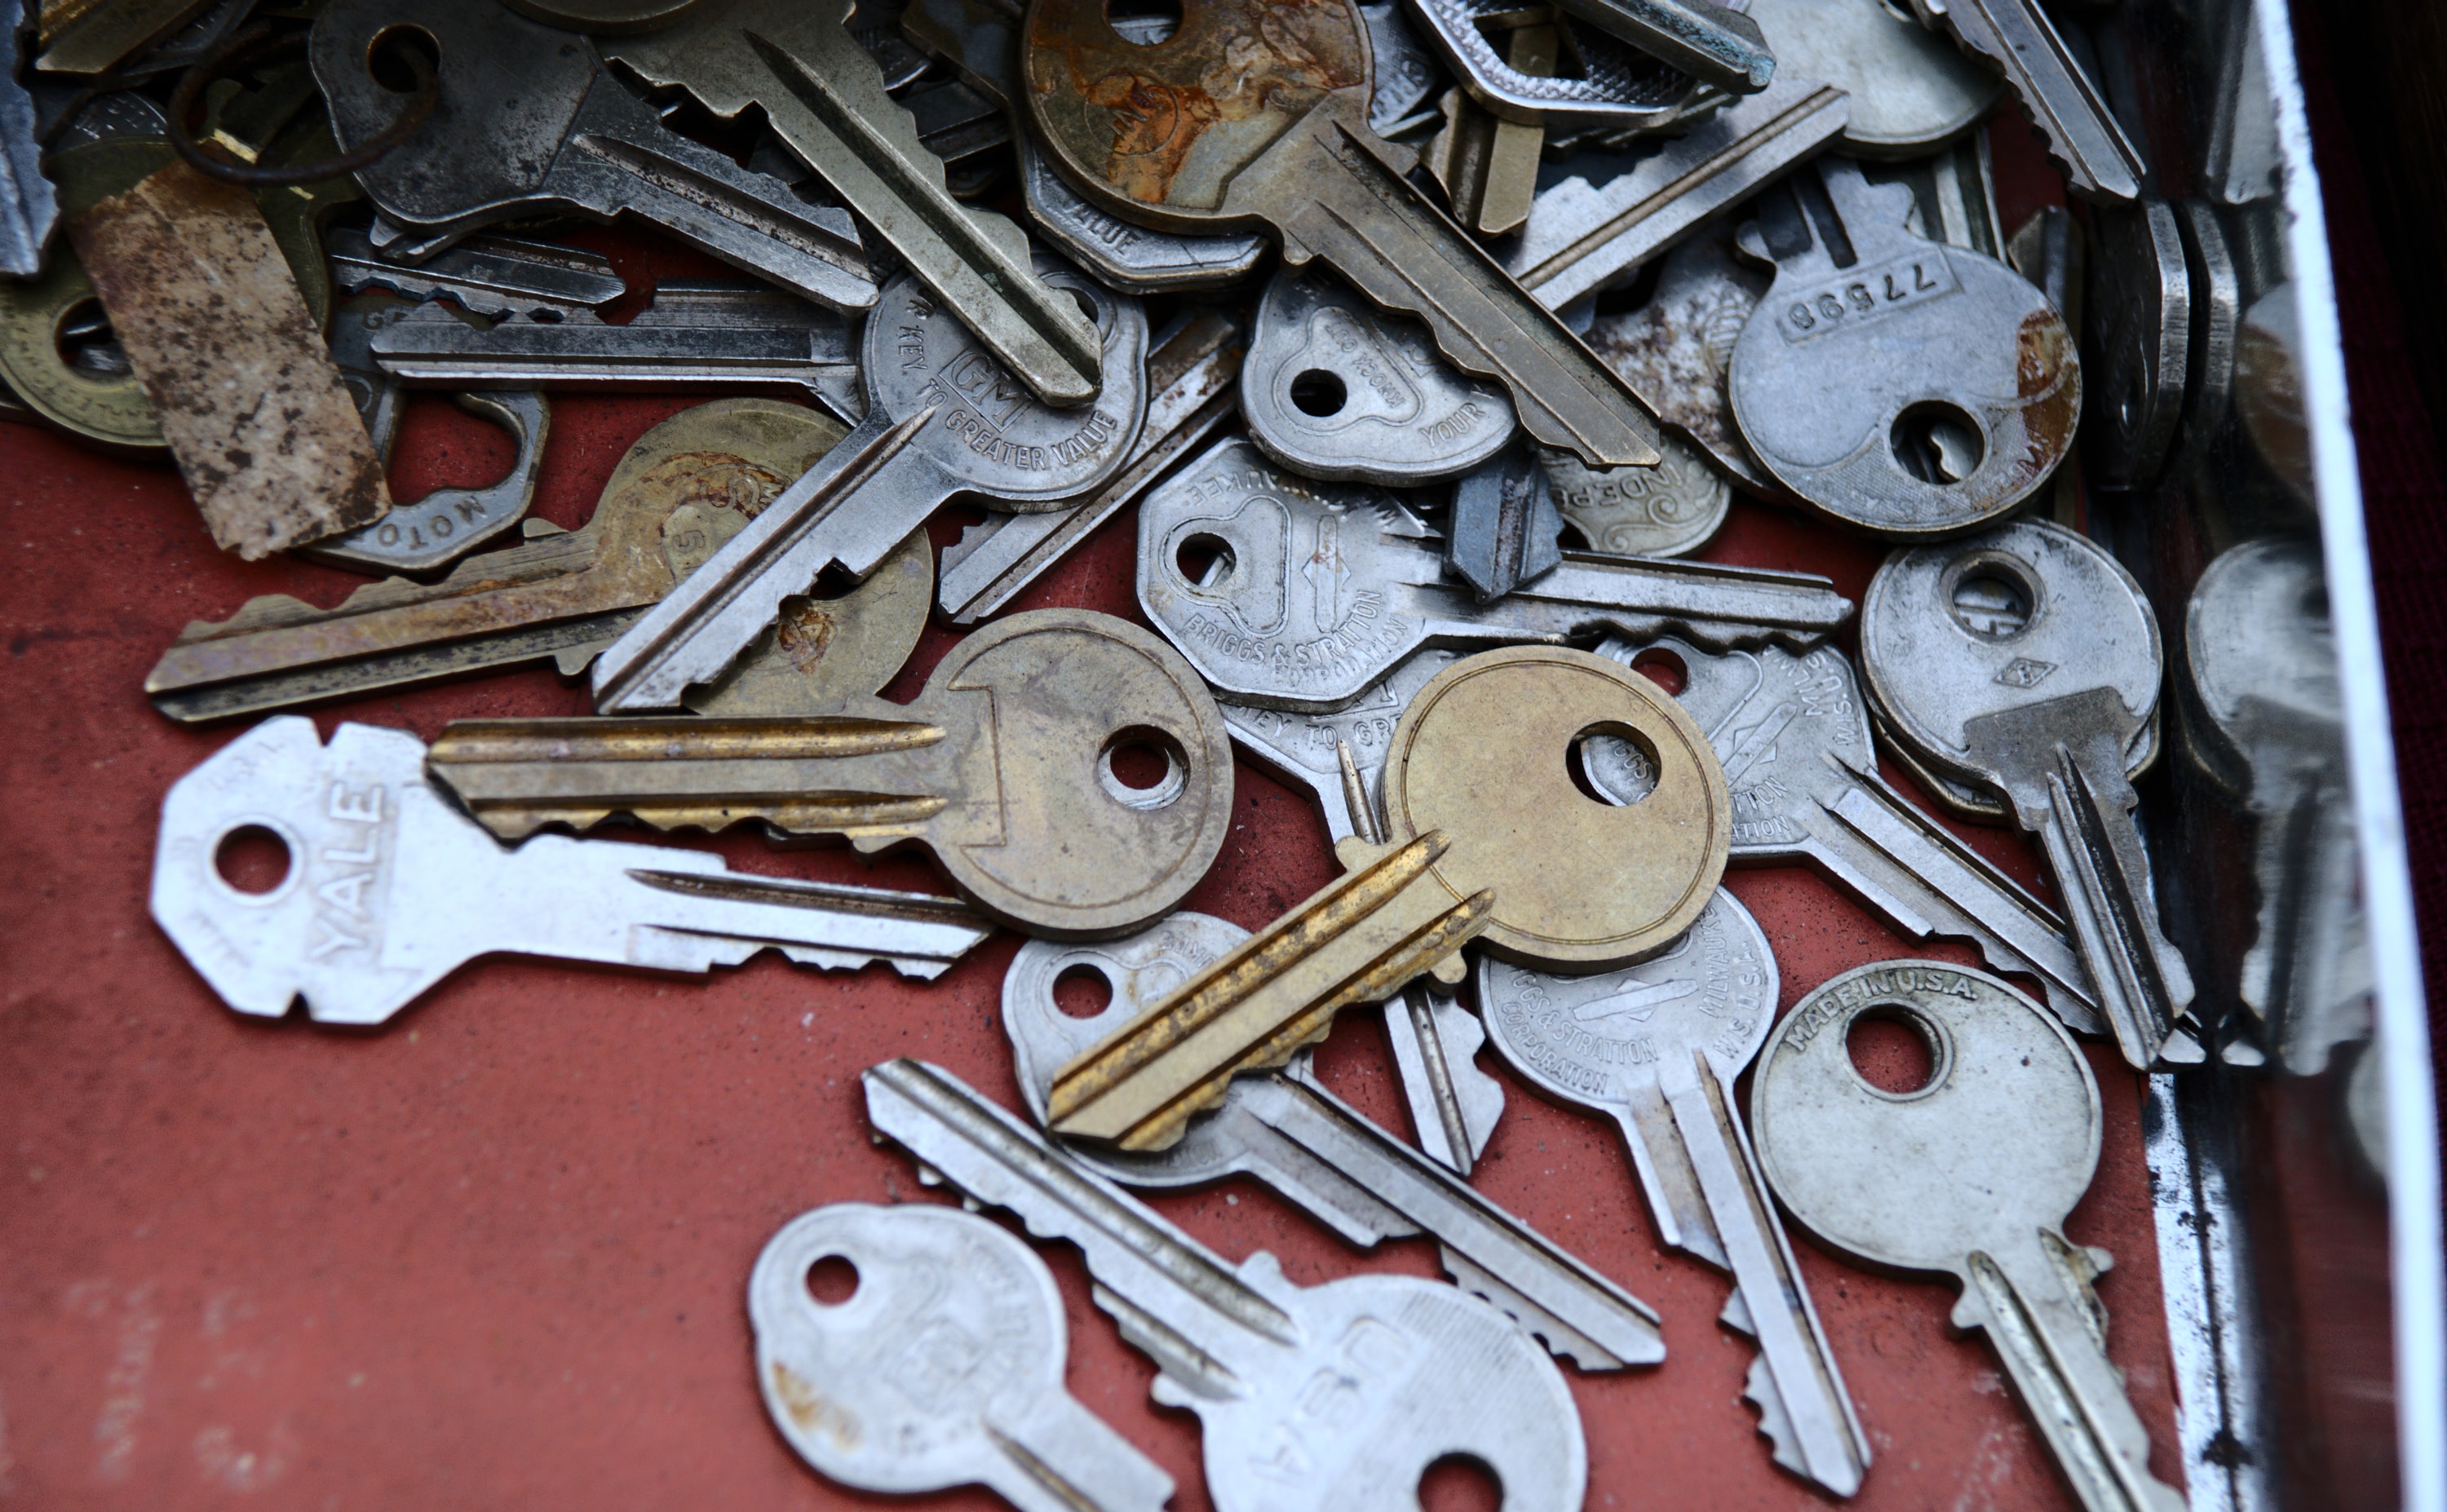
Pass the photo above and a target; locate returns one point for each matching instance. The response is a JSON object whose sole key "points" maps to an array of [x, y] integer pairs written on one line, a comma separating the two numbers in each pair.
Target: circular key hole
{"points": [[1204, 560], [1991, 595], [1937, 442], [1460, 1482], [252, 859], [1083, 991], [386, 57], [1664, 668], [1143, 767], [87, 343], [1319, 393], [1895, 1051], [832, 1280], [1144, 23], [1612, 764]]}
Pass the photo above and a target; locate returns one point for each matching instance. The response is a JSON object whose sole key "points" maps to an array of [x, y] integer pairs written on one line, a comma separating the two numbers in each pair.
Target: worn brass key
{"points": [[1256, 112], [1488, 837], [1004, 765]]}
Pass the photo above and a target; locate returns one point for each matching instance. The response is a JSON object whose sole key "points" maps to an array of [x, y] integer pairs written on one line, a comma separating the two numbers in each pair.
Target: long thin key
{"points": [[1972, 1176], [1487, 838], [486, 276], [2083, 136], [944, 419], [388, 888], [1003, 766], [1795, 740], [821, 96], [1658, 1048], [1286, 1130], [529, 120], [2026, 661], [1193, 375], [1290, 148], [1325, 589], [943, 1367], [1332, 1398]]}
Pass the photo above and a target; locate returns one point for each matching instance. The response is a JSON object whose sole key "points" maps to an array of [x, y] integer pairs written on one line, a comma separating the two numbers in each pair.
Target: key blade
{"points": [[2084, 136], [918, 934], [1714, 607], [1453, 1104], [486, 275], [1711, 43]]}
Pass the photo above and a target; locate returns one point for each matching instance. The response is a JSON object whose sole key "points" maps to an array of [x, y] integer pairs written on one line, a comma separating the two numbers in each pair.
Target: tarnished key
{"points": [[1193, 375], [1502, 530], [1300, 595], [820, 95], [1288, 147], [1286, 1130], [1795, 740], [387, 888], [2025, 660], [1488, 837], [1667, 510], [941, 1368], [529, 121], [944, 419], [1332, 1398], [1971, 1175], [1003, 766], [1656, 1047], [28, 208], [2082, 134], [486, 275], [1487, 166]]}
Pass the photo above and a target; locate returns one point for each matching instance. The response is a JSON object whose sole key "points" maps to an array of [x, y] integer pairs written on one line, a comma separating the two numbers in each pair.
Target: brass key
{"points": [[1256, 112], [1488, 837], [1004, 765]]}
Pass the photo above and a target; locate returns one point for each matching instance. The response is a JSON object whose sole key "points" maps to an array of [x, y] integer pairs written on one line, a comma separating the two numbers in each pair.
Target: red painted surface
{"points": [[493, 1253]]}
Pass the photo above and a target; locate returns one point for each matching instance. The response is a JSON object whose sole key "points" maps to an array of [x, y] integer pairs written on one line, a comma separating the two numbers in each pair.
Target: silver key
{"points": [[389, 887], [1795, 740], [1676, 349], [1667, 510], [1617, 84], [2139, 313], [1910, 91], [491, 277], [1321, 590], [1971, 1175], [1657, 1047], [1332, 1398], [1402, 77], [1501, 529], [2082, 133], [943, 418], [1284, 1129], [1334, 389], [2025, 660], [943, 1367]]}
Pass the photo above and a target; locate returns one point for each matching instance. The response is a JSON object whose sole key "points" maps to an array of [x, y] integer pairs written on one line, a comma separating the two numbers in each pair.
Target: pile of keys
{"points": [[1426, 339]]}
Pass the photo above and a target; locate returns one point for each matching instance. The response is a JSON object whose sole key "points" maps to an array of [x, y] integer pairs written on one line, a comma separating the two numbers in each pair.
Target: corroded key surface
{"points": [[941, 1368], [1487, 838], [1003, 766], [1256, 112], [1969, 1175]]}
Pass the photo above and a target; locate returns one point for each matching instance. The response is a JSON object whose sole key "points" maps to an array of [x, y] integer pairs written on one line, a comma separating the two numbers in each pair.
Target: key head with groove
{"points": [[2000, 1143]]}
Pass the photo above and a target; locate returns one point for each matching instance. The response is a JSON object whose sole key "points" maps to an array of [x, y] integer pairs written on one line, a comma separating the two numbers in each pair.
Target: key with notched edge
{"points": [[944, 419], [1488, 837], [1287, 145], [1003, 766], [1300, 595]]}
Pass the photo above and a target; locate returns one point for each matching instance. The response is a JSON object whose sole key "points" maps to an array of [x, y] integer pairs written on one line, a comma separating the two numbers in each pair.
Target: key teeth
{"points": [[1559, 1338], [1758, 1389]]}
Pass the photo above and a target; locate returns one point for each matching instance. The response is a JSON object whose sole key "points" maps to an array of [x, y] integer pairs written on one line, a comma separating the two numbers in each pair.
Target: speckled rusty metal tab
{"points": [[249, 398]]}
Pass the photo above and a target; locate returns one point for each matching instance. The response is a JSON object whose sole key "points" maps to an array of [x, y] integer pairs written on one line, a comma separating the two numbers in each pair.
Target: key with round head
{"points": [[388, 888], [1287, 146], [1656, 1047], [2024, 660], [1910, 91], [942, 1367], [1970, 1174], [529, 121], [1286, 1130], [1331, 1398], [2083, 136], [1668, 510], [1300, 595], [944, 419], [1488, 837], [1003, 766]]}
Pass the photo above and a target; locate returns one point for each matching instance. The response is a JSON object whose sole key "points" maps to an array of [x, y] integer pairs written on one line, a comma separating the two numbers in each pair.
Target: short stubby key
{"points": [[1332, 1398], [1901, 386], [1287, 1131], [1656, 1047], [943, 1367], [1288, 147], [2025, 660], [388, 888], [1488, 837], [1003, 766], [1969, 1175], [944, 419], [1300, 595]]}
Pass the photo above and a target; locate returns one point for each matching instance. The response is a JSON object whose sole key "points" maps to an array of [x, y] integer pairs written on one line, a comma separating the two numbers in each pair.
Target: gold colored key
{"points": [[1489, 836], [1012, 766], [1255, 112]]}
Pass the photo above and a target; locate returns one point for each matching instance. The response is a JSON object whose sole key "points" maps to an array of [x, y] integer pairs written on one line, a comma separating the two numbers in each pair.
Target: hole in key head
{"points": [[1083, 991], [1612, 764], [252, 859], [1144, 23], [1896, 1050], [1937, 442], [1460, 1482], [1991, 595], [87, 343], [1204, 560], [388, 55], [832, 1280], [1143, 767], [1664, 668], [1318, 392]]}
